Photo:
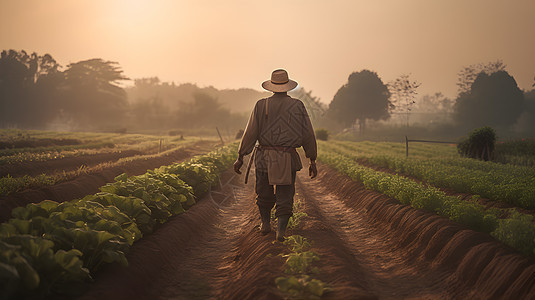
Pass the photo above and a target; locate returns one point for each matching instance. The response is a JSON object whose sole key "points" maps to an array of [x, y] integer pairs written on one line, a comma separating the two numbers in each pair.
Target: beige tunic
{"points": [[279, 121]]}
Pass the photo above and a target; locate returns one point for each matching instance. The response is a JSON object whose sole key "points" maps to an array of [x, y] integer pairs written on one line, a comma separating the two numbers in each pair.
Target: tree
{"points": [[364, 96], [313, 105], [204, 112], [434, 103], [526, 121], [28, 86], [493, 100], [403, 91], [92, 94], [432, 109], [468, 75]]}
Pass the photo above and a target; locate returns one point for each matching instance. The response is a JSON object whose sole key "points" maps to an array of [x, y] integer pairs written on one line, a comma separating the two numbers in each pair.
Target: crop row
{"points": [[517, 230], [9, 184], [55, 248], [299, 264], [499, 182], [15, 156]]}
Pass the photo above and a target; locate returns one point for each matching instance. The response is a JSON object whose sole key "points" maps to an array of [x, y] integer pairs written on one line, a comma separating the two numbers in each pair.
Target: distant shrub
{"points": [[479, 145], [322, 134]]}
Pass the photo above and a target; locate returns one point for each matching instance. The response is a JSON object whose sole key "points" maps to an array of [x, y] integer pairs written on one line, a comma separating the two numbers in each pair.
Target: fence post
{"points": [[218, 133], [406, 146]]}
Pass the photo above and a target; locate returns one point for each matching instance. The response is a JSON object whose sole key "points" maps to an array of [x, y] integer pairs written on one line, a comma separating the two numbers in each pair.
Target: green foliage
{"points": [[164, 194], [322, 134], [515, 230], [10, 184], [299, 264], [52, 247], [301, 287], [295, 219], [297, 243], [516, 152], [479, 145], [442, 167], [199, 176], [30, 266], [298, 213], [470, 214]]}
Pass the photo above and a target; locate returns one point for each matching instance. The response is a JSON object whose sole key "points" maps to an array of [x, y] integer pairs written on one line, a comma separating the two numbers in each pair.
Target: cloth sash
{"points": [[279, 164]]}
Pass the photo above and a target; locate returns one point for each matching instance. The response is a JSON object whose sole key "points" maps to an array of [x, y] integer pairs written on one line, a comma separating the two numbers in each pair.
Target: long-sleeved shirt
{"points": [[280, 121]]}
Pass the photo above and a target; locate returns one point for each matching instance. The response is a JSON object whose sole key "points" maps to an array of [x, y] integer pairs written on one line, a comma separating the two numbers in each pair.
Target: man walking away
{"points": [[280, 124]]}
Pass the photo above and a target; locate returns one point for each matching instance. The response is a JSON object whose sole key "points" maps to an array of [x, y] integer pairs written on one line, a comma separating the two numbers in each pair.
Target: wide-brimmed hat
{"points": [[279, 82]]}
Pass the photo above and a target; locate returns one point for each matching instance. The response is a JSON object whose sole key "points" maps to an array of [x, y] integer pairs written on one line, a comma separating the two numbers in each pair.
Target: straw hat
{"points": [[279, 82]]}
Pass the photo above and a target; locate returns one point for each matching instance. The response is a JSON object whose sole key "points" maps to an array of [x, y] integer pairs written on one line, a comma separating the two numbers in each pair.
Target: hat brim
{"points": [[279, 88]]}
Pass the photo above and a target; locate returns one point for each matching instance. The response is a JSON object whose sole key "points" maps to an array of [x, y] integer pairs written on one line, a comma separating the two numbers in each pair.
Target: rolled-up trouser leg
{"points": [[285, 198]]}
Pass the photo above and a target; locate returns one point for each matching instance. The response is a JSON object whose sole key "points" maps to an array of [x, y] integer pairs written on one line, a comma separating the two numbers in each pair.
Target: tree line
{"points": [[36, 93], [487, 96]]}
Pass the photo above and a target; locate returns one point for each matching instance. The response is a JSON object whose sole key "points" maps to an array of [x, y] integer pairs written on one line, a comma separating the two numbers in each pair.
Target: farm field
{"points": [[61, 166], [370, 226]]}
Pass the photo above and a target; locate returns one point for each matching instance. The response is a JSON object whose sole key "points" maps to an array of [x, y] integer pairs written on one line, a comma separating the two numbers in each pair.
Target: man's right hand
{"points": [[237, 164]]}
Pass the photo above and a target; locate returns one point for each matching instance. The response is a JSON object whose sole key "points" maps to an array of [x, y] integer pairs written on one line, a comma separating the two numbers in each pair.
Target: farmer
{"points": [[280, 124]]}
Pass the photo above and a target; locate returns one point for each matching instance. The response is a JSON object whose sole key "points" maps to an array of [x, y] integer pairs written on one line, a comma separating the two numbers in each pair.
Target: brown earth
{"points": [[370, 246], [90, 183]]}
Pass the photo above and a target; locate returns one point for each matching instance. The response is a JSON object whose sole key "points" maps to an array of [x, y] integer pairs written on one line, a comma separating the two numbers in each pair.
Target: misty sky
{"points": [[237, 43]]}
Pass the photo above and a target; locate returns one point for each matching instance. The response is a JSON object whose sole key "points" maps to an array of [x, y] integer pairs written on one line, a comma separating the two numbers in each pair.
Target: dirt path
{"points": [[360, 253], [210, 252], [370, 247]]}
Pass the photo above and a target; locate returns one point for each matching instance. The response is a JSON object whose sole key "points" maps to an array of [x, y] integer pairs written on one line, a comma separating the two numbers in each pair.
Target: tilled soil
{"points": [[370, 247], [90, 183], [66, 164]]}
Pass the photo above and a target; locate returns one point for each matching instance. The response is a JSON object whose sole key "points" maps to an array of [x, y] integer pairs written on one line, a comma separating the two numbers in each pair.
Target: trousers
{"points": [[269, 195]]}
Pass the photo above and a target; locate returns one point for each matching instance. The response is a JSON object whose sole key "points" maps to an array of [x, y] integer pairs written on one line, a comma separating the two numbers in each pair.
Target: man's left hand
{"points": [[312, 170], [237, 165]]}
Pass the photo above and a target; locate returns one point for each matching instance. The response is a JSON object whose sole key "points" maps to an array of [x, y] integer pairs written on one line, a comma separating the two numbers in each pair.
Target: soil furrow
{"points": [[370, 247], [375, 263], [476, 265]]}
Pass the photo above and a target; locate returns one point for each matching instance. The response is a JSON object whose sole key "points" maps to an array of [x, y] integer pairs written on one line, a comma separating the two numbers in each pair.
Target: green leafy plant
{"points": [[518, 232], [301, 287], [29, 265], [52, 246], [510, 230], [297, 243], [300, 262]]}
